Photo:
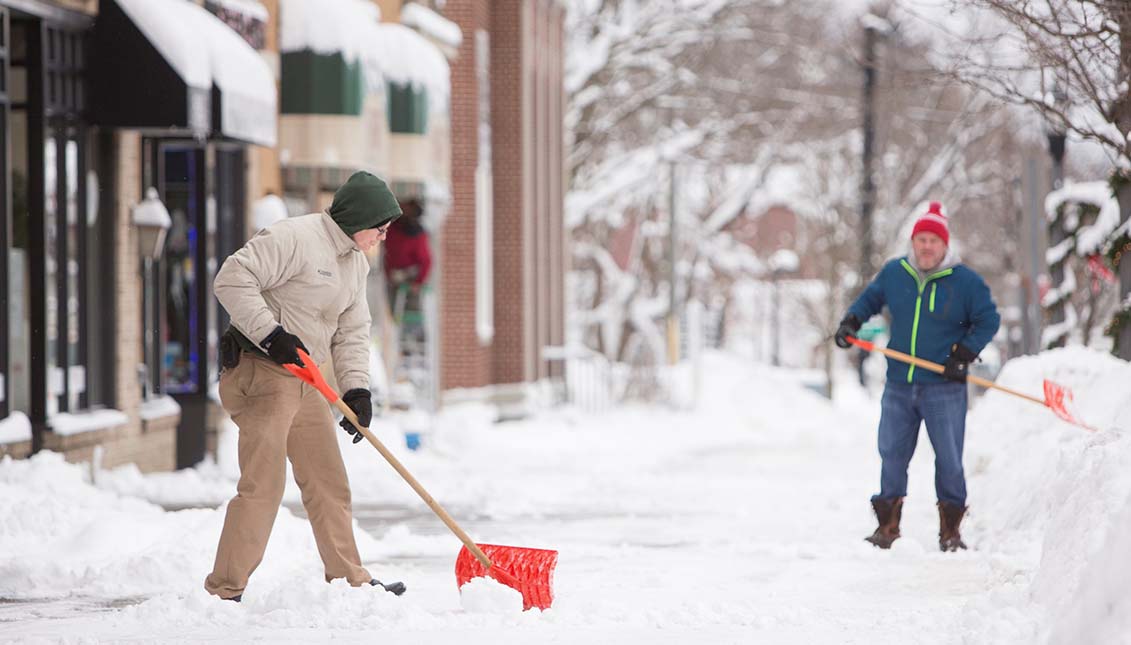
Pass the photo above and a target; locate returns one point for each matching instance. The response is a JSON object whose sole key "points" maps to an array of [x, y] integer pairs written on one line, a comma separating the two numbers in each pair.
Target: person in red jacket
{"points": [[407, 260]]}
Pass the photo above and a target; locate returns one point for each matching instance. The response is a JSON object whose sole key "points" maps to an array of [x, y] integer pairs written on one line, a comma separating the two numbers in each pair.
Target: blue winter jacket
{"points": [[929, 315]]}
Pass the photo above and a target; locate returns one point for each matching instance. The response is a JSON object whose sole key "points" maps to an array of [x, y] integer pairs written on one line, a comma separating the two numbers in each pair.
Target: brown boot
{"points": [[888, 512], [950, 517]]}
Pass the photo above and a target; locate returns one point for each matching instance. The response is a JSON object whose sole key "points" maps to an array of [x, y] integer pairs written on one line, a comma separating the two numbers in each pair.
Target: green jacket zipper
{"points": [[922, 285]]}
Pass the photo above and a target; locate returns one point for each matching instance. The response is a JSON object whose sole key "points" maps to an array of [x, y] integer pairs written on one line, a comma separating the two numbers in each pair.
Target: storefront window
{"points": [[181, 361]]}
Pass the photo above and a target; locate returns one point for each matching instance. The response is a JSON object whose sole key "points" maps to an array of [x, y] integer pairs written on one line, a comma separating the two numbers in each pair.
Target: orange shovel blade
{"points": [[529, 571], [310, 374], [1057, 398]]}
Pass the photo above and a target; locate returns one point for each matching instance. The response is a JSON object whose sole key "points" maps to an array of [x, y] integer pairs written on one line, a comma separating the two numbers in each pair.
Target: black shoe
{"points": [[395, 588]]}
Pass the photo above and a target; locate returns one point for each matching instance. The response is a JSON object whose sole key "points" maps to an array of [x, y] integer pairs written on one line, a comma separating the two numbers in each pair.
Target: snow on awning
{"points": [[405, 57], [172, 64], [431, 24], [388, 51], [327, 26]]}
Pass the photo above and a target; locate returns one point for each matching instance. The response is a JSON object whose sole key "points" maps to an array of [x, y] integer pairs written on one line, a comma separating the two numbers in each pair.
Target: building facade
{"points": [[108, 342], [503, 247]]}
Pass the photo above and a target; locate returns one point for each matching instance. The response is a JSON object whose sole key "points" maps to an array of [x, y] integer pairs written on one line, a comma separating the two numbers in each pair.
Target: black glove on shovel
{"points": [[358, 400], [848, 327], [957, 365], [282, 347]]}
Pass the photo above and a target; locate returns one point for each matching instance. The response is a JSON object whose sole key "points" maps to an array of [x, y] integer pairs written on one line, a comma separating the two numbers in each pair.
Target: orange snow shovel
{"points": [[529, 571], [1057, 397]]}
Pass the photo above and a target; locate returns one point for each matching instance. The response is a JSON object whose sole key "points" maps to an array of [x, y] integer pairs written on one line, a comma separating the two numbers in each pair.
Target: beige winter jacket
{"points": [[305, 274]]}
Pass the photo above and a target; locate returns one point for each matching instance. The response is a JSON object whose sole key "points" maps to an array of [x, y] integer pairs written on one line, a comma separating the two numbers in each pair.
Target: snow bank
{"points": [[1035, 479], [62, 537]]}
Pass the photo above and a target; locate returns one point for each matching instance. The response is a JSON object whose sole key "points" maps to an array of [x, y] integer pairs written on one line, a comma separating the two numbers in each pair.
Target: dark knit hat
{"points": [[364, 201]]}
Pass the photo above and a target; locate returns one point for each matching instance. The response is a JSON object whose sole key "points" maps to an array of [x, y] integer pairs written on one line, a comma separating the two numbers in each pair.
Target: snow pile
{"points": [[1037, 480], [484, 595], [62, 537], [15, 427]]}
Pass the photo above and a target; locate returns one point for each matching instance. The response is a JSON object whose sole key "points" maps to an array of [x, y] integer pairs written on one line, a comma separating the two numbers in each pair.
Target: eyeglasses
{"points": [[381, 230]]}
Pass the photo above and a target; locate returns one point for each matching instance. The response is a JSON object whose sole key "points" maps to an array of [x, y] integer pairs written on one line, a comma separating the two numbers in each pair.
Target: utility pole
{"points": [[673, 310], [868, 186]]}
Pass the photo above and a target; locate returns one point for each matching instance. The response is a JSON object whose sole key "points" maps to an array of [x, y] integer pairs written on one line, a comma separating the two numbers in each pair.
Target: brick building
{"points": [[503, 246]]}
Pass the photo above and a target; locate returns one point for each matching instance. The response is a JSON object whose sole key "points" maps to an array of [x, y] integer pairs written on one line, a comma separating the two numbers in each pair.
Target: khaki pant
{"points": [[281, 417]]}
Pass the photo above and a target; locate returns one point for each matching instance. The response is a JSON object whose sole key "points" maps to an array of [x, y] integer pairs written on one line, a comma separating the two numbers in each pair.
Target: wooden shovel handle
{"points": [[938, 369], [407, 476]]}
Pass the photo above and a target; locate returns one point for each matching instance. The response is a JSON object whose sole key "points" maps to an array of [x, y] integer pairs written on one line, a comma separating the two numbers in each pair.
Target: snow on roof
{"points": [[432, 24], [327, 26], [251, 8], [1089, 238], [177, 30]]}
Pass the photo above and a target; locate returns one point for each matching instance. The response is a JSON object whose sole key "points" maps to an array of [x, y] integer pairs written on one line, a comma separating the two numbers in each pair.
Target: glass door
{"points": [[185, 314]]}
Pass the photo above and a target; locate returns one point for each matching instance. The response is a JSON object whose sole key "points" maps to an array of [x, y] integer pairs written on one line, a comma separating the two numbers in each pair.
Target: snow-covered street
{"points": [[741, 521]]}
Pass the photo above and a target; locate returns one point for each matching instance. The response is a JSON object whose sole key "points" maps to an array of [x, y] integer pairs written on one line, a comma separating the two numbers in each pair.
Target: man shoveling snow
{"points": [[942, 311]]}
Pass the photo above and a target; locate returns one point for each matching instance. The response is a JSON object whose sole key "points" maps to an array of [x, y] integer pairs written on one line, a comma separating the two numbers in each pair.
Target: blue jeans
{"points": [[943, 407]]}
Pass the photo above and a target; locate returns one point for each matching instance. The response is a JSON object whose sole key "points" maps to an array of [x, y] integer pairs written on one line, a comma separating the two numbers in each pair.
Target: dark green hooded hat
{"points": [[363, 202]]}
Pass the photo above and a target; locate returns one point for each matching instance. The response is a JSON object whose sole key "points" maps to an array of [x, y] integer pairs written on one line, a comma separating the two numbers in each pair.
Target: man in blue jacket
{"points": [[941, 311]]}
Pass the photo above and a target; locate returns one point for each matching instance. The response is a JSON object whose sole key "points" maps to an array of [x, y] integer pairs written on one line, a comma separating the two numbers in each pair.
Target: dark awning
{"points": [[171, 65]]}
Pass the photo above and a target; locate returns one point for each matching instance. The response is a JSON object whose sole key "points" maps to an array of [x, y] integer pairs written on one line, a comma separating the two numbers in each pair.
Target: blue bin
{"points": [[412, 440]]}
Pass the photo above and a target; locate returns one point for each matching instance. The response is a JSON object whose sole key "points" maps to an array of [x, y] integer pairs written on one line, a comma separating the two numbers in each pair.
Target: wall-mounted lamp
{"points": [[152, 221]]}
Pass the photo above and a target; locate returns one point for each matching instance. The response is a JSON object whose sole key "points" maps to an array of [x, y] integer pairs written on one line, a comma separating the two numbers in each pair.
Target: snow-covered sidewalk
{"points": [[742, 521]]}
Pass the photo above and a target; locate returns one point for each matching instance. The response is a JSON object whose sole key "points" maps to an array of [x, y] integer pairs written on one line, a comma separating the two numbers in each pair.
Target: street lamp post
{"points": [[153, 222]]}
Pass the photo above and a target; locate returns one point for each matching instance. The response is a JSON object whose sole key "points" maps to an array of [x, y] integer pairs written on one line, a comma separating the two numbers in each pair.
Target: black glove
{"points": [[358, 400], [848, 327], [958, 363], [283, 347]]}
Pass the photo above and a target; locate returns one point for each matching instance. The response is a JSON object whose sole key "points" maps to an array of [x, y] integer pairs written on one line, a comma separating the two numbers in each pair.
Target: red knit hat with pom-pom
{"points": [[933, 221]]}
